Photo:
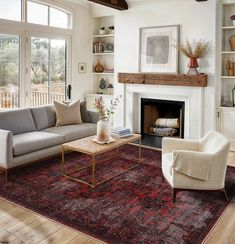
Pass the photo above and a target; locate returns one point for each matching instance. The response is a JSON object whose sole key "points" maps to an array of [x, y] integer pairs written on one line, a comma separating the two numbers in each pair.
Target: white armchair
{"points": [[196, 164]]}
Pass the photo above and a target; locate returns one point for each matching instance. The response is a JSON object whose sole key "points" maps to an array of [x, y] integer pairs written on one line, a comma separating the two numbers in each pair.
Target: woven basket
{"points": [[232, 42]]}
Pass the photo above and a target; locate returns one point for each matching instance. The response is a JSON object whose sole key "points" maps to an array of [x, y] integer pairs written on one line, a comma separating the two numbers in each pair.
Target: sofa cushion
{"points": [[18, 121], [40, 118], [74, 132], [84, 113], [51, 115], [34, 141], [67, 114]]}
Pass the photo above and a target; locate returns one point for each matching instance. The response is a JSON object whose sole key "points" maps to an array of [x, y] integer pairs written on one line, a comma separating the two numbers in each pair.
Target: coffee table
{"points": [[89, 147]]}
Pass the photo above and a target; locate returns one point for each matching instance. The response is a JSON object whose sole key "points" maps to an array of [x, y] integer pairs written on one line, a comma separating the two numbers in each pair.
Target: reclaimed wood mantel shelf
{"points": [[163, 79]]}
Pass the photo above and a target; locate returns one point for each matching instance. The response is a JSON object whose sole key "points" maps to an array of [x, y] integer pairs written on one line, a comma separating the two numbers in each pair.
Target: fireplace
{"points": [[161, 118]]}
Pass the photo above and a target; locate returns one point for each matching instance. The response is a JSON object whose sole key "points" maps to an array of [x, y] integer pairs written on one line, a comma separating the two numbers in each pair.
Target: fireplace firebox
{"points": [[160, 118]]}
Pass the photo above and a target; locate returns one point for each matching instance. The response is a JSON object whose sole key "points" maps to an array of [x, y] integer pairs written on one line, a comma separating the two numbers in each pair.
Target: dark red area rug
{"points": [[135, 207]]}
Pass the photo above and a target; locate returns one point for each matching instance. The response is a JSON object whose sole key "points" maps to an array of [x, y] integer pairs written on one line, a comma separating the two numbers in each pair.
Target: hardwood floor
{"points": [[20, 226]]}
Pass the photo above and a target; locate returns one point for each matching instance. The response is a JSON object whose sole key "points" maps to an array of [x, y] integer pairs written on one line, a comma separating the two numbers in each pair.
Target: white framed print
{"points": [[82, 68], [158, 52]]}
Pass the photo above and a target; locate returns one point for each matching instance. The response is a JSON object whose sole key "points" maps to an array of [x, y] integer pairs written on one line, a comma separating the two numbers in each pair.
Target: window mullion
{"points": [[49, 15], [49, 71]]}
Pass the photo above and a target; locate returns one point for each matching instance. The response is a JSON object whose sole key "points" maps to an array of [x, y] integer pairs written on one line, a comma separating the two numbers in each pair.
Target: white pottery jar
{"points": [[103, 131], [102, 32]]}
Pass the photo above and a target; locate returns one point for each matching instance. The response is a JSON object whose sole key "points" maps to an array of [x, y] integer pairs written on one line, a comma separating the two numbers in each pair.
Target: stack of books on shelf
{"points": [[120, 132]]}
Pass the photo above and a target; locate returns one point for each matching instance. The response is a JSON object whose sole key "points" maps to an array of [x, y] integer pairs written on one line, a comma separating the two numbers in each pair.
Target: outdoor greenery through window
{"points": [[9, 71], [48, 70]]}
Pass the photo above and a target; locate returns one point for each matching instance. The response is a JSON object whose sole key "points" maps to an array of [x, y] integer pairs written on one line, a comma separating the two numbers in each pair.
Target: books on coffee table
{"points": [[121, 132]]}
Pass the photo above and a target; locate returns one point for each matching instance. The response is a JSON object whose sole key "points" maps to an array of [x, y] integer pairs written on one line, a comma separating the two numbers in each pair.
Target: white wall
{"points": [[81, 50], [196, 20]]}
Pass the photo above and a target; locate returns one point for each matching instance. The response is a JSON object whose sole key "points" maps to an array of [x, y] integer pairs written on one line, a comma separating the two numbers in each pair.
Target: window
{"points": [[58, 18], [35, 61], [46, 15], [9, 71], [37, 13], [10, 9], [48, 70]]}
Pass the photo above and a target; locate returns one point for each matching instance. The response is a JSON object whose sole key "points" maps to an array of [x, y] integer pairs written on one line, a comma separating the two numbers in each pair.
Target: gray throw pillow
{"points": [[84, 113]]}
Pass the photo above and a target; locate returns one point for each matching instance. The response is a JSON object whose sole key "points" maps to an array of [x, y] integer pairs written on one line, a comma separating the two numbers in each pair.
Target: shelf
{"points": [[226, 108], [106, 35], [232, 27], [228, 77], [98, 95], [103, 73], [228, 52], [102, 54], [163, 79]]}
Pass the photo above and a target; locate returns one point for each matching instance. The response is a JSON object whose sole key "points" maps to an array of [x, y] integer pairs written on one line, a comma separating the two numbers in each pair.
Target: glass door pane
{"points": [[39, 71], [58, 70], [9, 71], [48, 71]]}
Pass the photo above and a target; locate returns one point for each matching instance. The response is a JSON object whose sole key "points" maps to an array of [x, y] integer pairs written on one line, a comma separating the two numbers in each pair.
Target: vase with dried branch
{"points": [[194, 51], [105, 114]]}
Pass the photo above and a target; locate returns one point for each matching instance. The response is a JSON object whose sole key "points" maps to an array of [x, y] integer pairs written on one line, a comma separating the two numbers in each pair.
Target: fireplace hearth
{"points": [[160, 118]]}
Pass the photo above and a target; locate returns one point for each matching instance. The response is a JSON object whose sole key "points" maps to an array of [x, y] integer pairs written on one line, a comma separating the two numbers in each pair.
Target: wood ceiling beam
{"points": [[116, 4]]}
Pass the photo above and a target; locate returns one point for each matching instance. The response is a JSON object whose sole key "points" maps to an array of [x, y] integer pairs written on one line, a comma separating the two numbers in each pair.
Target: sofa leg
{"points": [[174, 194], [162, 179], [225, 194]]}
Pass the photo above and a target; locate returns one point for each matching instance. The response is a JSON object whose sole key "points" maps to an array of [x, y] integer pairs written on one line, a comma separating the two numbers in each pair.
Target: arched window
{"points": [[35, 53], [36, 12]]}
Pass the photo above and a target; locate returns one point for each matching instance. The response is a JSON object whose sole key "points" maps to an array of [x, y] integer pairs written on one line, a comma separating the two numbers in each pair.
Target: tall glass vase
{"points": [[103, 130]]}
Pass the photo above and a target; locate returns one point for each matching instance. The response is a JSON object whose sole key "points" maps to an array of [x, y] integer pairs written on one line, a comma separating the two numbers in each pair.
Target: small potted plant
{"points": [[102, 30]]}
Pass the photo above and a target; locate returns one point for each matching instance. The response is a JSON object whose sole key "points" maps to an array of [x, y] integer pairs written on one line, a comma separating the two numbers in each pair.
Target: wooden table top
{"points": [[87, 146]]}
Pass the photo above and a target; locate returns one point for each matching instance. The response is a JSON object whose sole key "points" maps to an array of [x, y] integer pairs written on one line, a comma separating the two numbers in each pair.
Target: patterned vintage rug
{"points": [[135, 207]]}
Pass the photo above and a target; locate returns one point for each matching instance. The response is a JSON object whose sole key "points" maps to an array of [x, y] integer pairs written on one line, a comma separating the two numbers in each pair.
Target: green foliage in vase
{"points": [[104, 112]]}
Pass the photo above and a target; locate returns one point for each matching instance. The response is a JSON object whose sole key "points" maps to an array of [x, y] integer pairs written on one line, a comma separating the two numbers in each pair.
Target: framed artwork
{"points": [[157, 49], [81, 67]]}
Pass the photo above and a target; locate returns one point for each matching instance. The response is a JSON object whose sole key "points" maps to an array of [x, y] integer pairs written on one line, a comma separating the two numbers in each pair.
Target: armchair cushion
{"points": [[193, 164]]}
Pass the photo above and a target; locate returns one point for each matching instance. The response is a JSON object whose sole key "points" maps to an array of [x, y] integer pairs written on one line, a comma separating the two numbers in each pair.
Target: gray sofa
{"points": [[30, 134]]}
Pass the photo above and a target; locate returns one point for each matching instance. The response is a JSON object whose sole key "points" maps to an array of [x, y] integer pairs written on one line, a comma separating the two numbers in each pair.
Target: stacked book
{"points": [[120, 132]]}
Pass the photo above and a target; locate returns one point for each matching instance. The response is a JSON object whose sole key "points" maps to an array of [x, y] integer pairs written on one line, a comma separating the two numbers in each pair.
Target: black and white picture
{"points": [[157, 51]]}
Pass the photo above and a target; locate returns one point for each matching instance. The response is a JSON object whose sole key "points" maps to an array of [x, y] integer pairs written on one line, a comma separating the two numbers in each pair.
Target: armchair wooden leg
{"points": [[225, 194], [6, 175], [174, 194], [163, 179]]}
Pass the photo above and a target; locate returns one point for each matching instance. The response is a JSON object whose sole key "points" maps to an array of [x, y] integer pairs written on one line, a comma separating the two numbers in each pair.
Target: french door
{"points": [[47, 70], [9, 71]]}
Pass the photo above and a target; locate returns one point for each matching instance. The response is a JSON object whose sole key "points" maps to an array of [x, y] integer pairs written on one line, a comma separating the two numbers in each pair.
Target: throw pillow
{"points": [[67, 115], [84, 113]]}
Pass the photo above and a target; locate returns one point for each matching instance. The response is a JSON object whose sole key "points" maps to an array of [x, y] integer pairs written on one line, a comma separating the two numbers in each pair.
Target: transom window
{"points": [[37, 13]]}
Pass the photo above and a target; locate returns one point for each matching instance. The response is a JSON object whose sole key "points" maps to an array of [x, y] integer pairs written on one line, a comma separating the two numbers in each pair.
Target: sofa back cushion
{"points": [[18, 121], [44, 117]]}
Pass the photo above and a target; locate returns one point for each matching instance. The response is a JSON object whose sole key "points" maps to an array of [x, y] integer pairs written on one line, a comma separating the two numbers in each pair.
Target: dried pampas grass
{"points": [[196, 49]]}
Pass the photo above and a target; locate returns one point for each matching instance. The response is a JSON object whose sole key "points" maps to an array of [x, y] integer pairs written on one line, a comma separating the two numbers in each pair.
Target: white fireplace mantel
{"points": [[192, 96]]}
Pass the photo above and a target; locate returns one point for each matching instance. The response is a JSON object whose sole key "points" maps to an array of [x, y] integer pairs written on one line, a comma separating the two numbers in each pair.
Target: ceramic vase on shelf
{"points": [[103, 130], [99, 68], [232, 42]]}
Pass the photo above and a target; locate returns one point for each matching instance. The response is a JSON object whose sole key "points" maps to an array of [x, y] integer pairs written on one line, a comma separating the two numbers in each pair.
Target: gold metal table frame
{"points": [[93, 149]]}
